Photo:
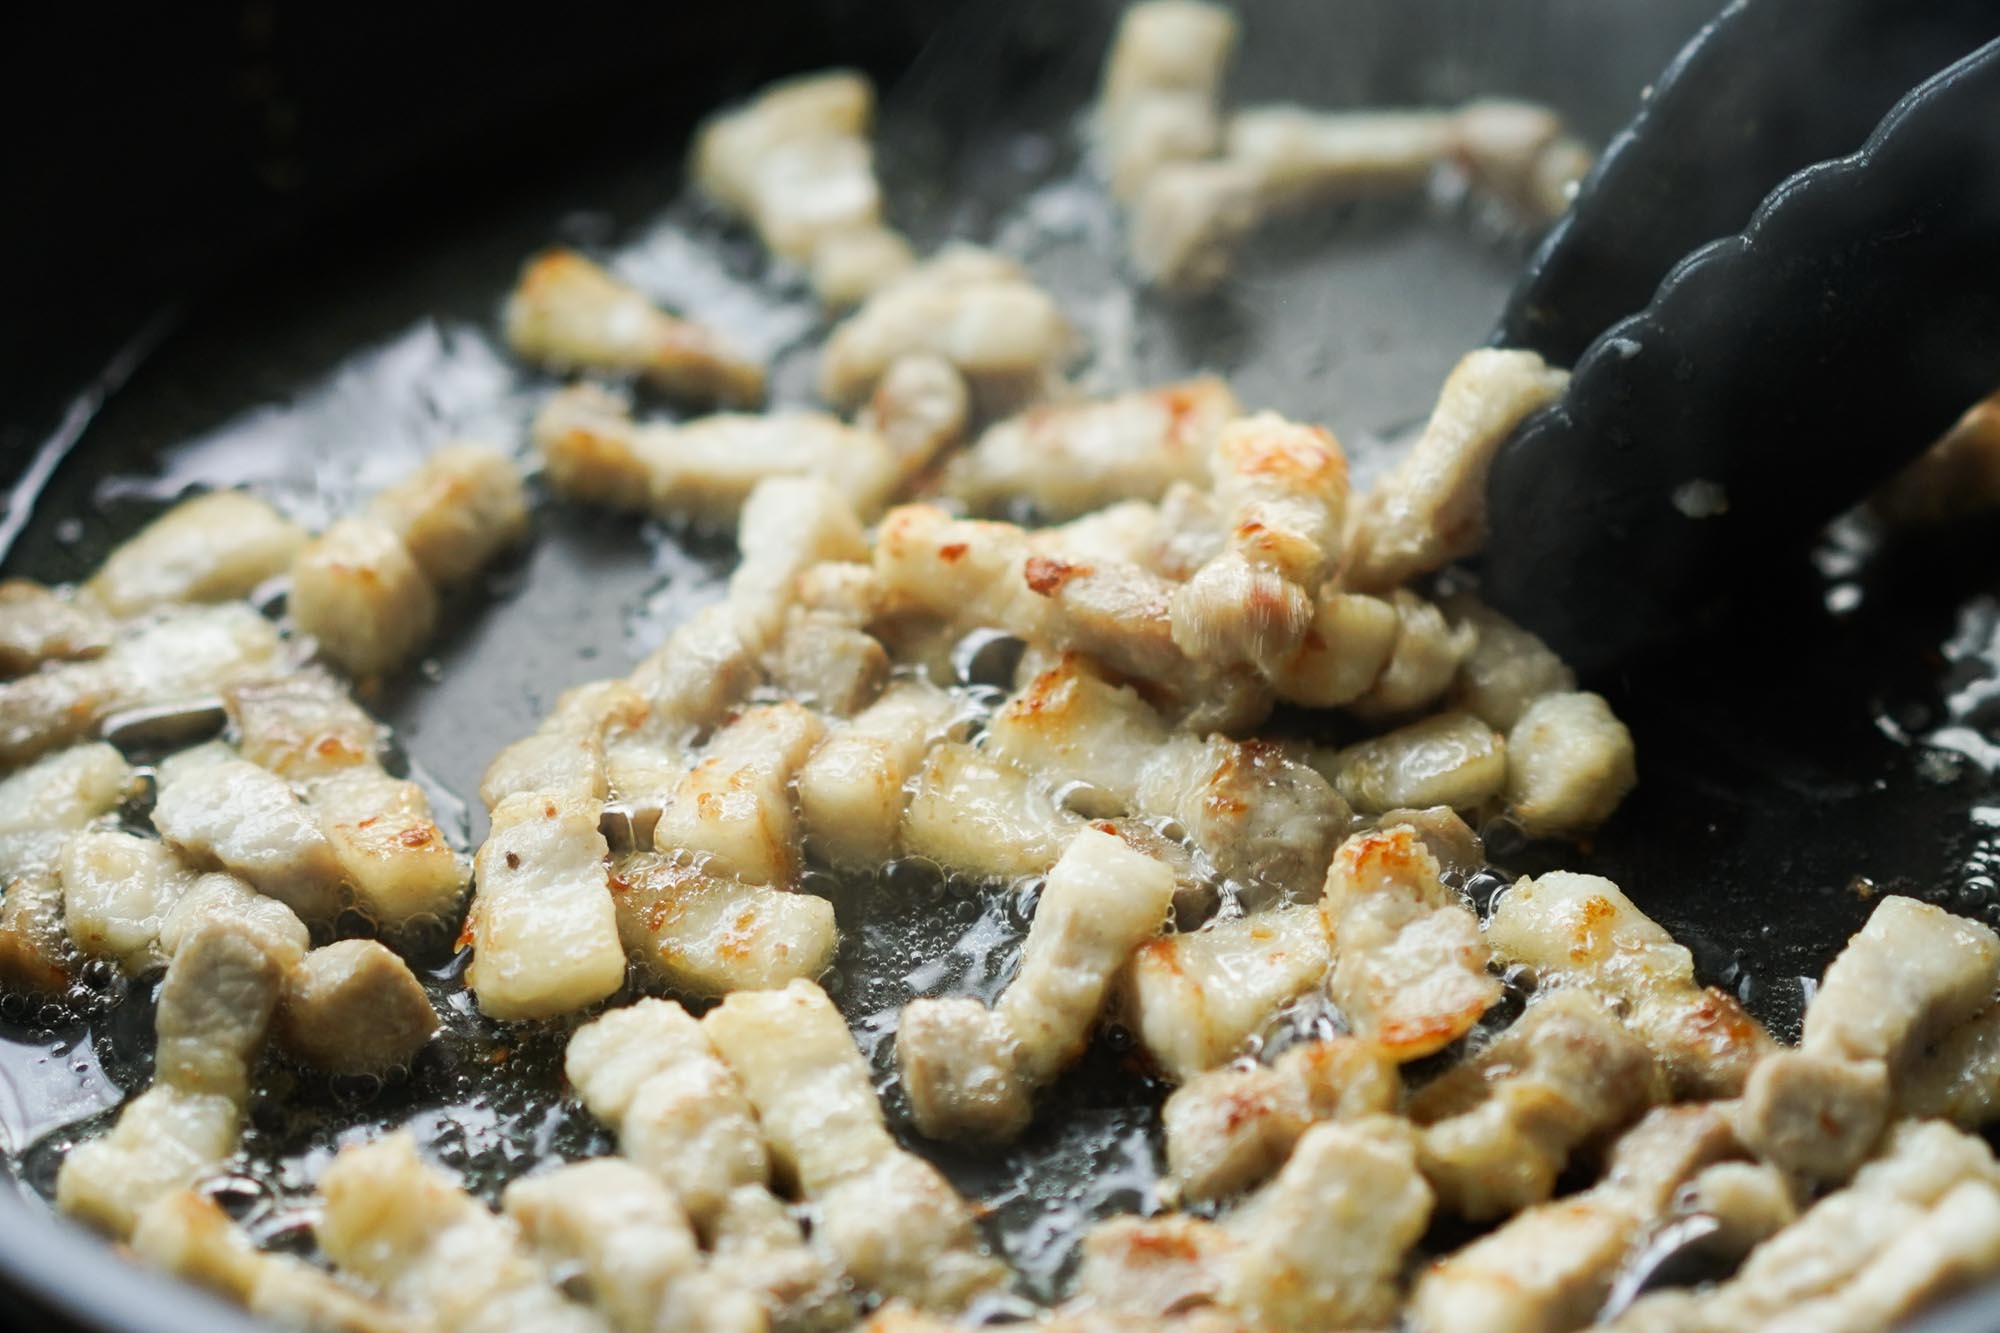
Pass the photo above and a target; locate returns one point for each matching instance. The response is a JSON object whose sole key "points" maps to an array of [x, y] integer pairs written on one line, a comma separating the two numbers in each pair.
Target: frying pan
{"points": [[268, 246]]}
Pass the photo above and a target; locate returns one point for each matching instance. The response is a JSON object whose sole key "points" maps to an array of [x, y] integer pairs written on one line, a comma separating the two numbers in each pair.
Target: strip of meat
{"points": [[565, 755], [221, 811], [568, 313], [1580, 931], [1508, 668], [921, 407], [1409, 963], [699, 933], [894, 1220], [1349, 647], [854, 786], [982, 817], [1196, 998], [399, 1223], [41, 808], [1423, 660], [1232, 1128], [1499, 1128], [1519, 152], [544, 931], [458, 511], [117, 889], [354, 1007], [1570, 763], [38, 626], [216, 547], [972, 1072], [734, 808], [1450, 759], [1162, 82]]}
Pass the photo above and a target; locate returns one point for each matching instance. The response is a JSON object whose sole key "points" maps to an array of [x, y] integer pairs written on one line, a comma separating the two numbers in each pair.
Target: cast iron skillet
{"points": [[301, 186]]}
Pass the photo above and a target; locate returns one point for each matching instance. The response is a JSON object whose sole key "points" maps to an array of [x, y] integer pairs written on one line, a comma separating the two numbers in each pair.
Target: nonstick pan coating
{"points": [[1780, 792]]}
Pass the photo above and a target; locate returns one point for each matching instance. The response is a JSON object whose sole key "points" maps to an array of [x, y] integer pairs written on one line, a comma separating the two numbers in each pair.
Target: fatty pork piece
{"points": [[1551, 1267], [1508, 670], [1580, 931], [1322, 1246], [39, 625], [982, 816], [1162, 82], [972, 1072], [974, 308], [117, 889], [1067, 459], [701, 933], [42, 807], [896, 1223], [176, 656], [564, 757], [1409, 962], [1499, 1128], [788, 526], [457, 512], [214, 1009], [216, 547], [733, 811], [1450, 759], [921, 407], [1197, 998], [1912, 974], [544, 930], [1423, 659], [189, 1236], [1232, 1128], [1431, 509], [1956, 478], [1352, 643], [360, 594], [702, 469], [796, 162], [854, 786], [436, 1253], [1520, 153], [1570, 762], [568, 313], [1281, 490], [1918, 1222], [221, 811]]}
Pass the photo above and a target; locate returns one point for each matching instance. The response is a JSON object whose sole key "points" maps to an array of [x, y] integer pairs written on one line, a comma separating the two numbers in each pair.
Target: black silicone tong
{"points": [[1749, 361]]}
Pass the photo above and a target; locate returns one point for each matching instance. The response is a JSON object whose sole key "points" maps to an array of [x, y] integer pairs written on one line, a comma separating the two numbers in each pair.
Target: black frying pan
{"points": [[319, 193]]}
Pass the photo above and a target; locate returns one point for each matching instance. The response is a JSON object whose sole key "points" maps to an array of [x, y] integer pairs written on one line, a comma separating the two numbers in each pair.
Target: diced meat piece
{"points": [[1519, 152], [357, 590], [1068, 459], [1190, 218], [853, 787], [458, 511], [694, 678], [1958, 477], [1582, 931], [1817, 1116], [165, 1139], [1959, 1078], [1749, 1203], [921, 407], [982, 817], [1451, 759], [1082, 735], [392, 855], [213, 548], [788, 525], [1910, 975], [116, 892], [972, 1072], [706, 934], [353, 1007], [1347, 648], [1151, 1267], [225, 898], [1431, 509], [1187, 532], [221, 811], [1196, 998], [893, 1219], [1499, 1128], [757, 1245], [34, 947], [42, 805], [397, 1222], [39, 626], [1162, 81], [1265, 819], [1508, 669], [1569, 763], [731, 148], [734, 809], [1230, 1129], [544, 932], [302, 726], [1409, 964], [1423, 661], [564, 757], [568, 313], [850, 266], [1302, 157]]}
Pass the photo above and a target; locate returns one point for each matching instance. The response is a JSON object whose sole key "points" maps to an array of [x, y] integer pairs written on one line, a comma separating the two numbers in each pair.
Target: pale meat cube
{"points": [[1582, 931], [1162, 81], [705, 934], [1196, 998], [1300, 156], [223, 812], [972, 308], [564, 757], [1187, 532], [1958, 477], [972, 1072], [1451, 759], [1267, 821], [164, 1141], [825, 661], [1519, 152], [544, 932], [852, 264], [854, 785], [1953, 1248], [38, 626], [982, 817], [190, 1236], [1431, 510], [1499, 1128], [1230, 1129], [893, 1219], [1323, 1245], [403, 873], [42, 805], [757, 1245], [1347, 648], [591, 450], [694, 678], [788, 525], [400, 1224], [1190, 218], [1817, 1116], [116, 892], [811, 190], [227, 899], [1508, 669], [1150, 1268], [836, 103], [1126, 532], [1570, 762], [1959, 1078], [1083, 735], [1423, 660], [568, 313], [966, 571], [362, 597], [1749, 1202], [733, 811], [354, 1007], [632, 1242], [1067, 459], [1409, 963], [302, 726], [1909, 976], [214, 548], [458, 511], [921, 407]]}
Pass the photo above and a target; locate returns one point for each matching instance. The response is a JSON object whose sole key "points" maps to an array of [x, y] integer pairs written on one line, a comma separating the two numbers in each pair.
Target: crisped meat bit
{"points": [[1500, 1127], [569, 313], [544, 932], [1815, 1115], [982, 817], [42, 807], [1569, 763], [393, 856], [1266, 820], [972, 1072], [564, 757], [1519, 152], [1162, 82], [1580, 930], [361, 595], [222, 811], [1347, 648], [302, 726], [1451, 759], [854, 786], [707, 934], [1409, 964], [1197, 998], [1959, 1078], [1432, 509], [921, 407], [353, 1007], [117, 889], [1422, 663], [38, 626], [734, 809], [1300, 156], [213, 548], [458, 511], [788, 526], [1230, 1129], [1190, 217]]}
